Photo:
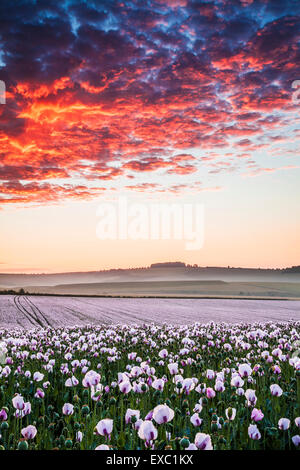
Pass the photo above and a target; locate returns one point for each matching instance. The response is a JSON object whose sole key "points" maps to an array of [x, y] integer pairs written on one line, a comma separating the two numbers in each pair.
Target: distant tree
{"points": [[293, 269]]}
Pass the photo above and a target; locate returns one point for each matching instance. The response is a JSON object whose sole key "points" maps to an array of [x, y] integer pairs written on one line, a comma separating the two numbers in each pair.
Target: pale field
{"points": [[189, 288], [35, 311]]}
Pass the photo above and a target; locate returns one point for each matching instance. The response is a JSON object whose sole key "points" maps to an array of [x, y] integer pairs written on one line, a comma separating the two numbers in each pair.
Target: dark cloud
{"points": [[92, 83]]}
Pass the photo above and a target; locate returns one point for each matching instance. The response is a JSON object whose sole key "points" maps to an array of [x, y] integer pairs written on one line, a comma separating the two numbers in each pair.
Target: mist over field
{"points": [[163, 281], [150, 274]]}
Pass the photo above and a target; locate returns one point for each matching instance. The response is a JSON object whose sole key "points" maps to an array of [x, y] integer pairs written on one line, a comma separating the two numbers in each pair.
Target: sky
{"points": [[158, 102]]}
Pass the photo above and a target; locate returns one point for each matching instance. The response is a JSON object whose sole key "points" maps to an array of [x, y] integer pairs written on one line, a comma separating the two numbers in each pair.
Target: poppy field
{"points": [[214, 386], [29, 311]]}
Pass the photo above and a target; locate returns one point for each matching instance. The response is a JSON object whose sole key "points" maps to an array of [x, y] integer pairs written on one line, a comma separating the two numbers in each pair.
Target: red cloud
{"points": [[146, 95]]}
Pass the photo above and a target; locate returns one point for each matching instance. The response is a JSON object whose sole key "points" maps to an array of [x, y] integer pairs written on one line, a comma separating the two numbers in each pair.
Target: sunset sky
{"points": [[158, 101]]}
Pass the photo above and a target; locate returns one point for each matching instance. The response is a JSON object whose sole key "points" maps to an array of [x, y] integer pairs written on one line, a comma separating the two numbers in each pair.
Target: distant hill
{"points": [[169, 271]]}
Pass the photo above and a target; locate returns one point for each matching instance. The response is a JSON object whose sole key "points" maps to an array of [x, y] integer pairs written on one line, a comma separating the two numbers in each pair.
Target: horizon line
{"points": [[152, 266]]}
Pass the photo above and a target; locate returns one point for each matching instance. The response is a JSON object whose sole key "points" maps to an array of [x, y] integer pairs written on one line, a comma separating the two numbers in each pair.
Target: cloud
{"points": [[92, 84], [261, 171]]}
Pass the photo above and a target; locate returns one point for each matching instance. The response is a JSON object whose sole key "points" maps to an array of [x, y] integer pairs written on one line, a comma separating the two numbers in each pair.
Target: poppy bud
{"points": [[184, 442], [76, 399], [4, 426], [214, 427], [68, 443], [85, 410], [23, 445]]}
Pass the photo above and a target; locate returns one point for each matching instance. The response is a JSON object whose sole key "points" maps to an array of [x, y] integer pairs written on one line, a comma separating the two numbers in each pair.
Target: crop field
{"points": [[124, 387], [176, 288], [39, 311], [143, 374]]}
